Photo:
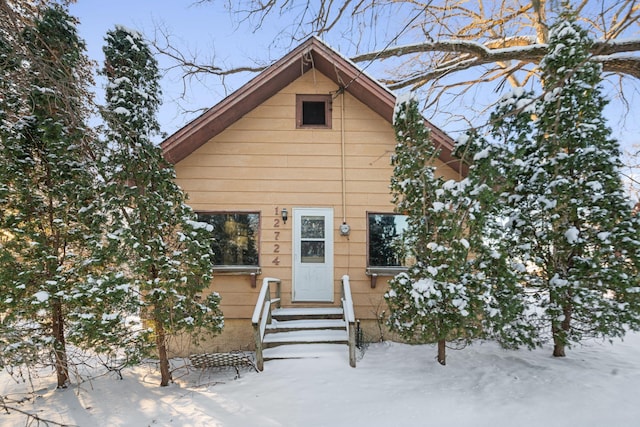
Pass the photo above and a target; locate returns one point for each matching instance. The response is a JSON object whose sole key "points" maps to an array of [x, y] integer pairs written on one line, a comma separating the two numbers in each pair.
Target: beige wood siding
{"points": [[262, 163]]}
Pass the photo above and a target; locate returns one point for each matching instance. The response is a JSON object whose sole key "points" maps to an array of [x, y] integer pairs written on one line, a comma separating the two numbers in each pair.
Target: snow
{"points": [[197, 225], [438, 206], [132, 32], [482, 154], [41, 296], [123, 111], [572, 235], [393, 385]]}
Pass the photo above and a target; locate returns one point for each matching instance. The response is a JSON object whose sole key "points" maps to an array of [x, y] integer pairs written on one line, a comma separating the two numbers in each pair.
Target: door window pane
{"points": [[312, 227], [235, 237], [312, 252]]}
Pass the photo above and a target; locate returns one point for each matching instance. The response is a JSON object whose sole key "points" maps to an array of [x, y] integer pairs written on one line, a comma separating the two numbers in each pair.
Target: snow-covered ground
{"points": [[598, 384]]}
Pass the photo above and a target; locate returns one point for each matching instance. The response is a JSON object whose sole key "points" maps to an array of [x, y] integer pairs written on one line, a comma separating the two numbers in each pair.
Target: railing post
{"points": [[262, 316], [352, 344], [349, 317], [258, 339], [268, 299]]}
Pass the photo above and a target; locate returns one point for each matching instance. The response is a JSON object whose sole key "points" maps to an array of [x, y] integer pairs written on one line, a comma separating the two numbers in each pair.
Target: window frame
{"points": [[238, 268], [326, 99]]}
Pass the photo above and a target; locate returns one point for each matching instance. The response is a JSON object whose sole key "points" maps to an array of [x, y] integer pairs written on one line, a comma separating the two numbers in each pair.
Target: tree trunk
{"points": [[161, 344], [540, 20], [59, 345], [558, 347], [442, 358], [560, 333]]}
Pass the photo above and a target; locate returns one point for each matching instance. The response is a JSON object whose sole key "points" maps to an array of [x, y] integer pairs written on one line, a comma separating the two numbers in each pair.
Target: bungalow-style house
{"points": [[293, 171]]}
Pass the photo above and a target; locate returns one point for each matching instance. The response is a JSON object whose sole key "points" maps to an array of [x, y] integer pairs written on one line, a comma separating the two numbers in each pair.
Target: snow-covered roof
{"points": [[312, 53]]}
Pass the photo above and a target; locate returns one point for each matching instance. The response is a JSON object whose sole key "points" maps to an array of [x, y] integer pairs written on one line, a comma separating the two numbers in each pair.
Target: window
{"points": [[386, 248], [235, 237], [313, 111]]}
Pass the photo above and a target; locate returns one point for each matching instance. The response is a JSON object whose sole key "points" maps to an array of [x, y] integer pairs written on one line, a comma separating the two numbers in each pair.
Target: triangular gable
{"points": [[312, 54]]}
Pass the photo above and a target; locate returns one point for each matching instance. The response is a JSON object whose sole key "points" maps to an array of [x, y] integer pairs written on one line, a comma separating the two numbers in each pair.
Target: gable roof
{"points": [[313, 53]]}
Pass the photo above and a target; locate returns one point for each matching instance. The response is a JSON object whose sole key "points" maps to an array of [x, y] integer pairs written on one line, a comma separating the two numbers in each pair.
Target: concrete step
{"points": [[305, 324], [306, 351], [306, 332], [307, 313], [313, 336]]}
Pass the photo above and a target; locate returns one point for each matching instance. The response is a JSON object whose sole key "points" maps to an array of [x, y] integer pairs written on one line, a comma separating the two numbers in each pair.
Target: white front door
{"points": [[313, 254]]}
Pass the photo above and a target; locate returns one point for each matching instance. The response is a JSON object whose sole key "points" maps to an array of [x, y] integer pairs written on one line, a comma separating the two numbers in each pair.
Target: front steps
{"points": [[305, 333]]}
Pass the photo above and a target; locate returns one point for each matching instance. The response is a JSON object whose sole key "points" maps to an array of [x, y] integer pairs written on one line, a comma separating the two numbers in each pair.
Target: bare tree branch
{"points": [[516, 49], [30, 416]]}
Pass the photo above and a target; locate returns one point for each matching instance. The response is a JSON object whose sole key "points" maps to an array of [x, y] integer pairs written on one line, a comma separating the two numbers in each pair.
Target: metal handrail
{"points": [[262, 315], [350, 318]]}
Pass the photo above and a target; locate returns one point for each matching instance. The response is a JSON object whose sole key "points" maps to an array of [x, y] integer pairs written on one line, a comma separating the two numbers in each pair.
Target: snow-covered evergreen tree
{"points": [[433, 301], [50, 216], [167, 253], [508, 317], [569, 224]]}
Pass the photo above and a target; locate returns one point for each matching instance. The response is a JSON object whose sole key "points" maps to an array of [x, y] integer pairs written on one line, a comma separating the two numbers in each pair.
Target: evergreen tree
{"points": [[433, 300], [507, 315], [50, 214], [569, 225], [167, 253]]}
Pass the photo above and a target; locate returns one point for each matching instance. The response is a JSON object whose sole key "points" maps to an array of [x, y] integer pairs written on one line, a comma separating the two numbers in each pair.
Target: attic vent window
{"points": [[313, 111]]}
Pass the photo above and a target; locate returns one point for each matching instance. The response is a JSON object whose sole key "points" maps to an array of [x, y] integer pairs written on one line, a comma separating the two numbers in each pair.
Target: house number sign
{"points": [[276, 237]]}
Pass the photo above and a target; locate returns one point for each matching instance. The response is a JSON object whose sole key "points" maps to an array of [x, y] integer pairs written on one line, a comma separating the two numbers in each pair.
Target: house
{"points": [[293, 172]]}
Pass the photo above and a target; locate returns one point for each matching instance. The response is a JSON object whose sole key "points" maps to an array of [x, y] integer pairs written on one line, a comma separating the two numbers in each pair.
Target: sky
{"points": [[209, 31]]}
